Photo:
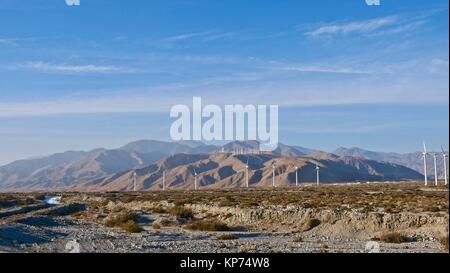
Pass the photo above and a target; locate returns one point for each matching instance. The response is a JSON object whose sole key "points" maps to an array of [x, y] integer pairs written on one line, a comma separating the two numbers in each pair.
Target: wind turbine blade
{"points": [[424, 147]]}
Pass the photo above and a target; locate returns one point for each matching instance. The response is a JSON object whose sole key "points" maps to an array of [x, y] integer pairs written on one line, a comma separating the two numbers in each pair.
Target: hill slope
{"points": [[224, 170]]}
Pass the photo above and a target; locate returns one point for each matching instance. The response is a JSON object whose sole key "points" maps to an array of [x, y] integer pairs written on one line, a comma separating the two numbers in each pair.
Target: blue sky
{"points": [[107, 72]]}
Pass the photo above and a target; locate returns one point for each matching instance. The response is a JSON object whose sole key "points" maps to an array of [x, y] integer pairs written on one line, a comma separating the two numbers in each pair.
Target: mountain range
{"points": [[218, 166], [225, 170], [411, 160]]}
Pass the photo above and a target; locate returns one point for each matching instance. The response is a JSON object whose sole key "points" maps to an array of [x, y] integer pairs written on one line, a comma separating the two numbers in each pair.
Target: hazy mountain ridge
{"points": [[70, 169], [411, 160], [225, 170]]}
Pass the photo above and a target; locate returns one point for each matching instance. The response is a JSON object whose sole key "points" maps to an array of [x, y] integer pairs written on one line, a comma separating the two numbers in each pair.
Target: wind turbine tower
{"points": [[164, 180], [424, 154], [445, 165], [435, 169], [273, 175], [195, 180], [246, 174], [318, 174], [133, 179], [296, 176]]}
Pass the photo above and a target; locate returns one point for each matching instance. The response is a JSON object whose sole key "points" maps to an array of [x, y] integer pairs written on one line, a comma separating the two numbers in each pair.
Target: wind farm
{"points": [[265, 202], [224, 127]]}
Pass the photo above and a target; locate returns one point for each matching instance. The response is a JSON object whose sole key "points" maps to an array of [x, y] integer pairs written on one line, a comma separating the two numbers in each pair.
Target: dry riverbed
{"points": [[401, 217]]}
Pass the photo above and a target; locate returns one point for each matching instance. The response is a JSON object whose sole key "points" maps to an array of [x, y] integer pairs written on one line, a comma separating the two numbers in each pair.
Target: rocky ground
{"points": [[392, 218]]}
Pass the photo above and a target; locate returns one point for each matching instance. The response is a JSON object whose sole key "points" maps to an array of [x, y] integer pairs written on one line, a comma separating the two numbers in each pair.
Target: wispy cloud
{"points": [[298, 94], [219, 36], [45, 67], [364, 27], [7, 41], [324, 69], [204, 36], [187, 36]]}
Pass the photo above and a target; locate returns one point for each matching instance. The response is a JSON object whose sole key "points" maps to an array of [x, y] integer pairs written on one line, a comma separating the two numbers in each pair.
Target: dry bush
{"points": [[125, 220], [166, 223], [310, 224], [208, 226], [228, 237], [159, 210], [156, 226], [131, 227], [298, 239], [119, 218], [128, 198], [182, 212], [444, 242], [394, 238]]}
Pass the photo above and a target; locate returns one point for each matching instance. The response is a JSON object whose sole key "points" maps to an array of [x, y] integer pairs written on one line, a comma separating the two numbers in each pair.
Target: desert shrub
{"points": [[249, 204], [156, 226], [182, 212], [311, 223], [25, 201], [159, 210], [131, 227], [298, 239], [208, 226], [166, 222], [434, 209], [444, 242], [228, 215], [228, 237], [128, 198], [119, 218], [394, 238]]}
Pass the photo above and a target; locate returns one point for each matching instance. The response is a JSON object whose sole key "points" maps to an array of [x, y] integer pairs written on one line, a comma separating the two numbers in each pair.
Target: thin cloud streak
{"points": [[366, 26], [285, 96], [45, 67]]}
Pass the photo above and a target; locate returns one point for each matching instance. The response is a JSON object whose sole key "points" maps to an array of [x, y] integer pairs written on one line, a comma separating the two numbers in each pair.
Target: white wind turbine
{"points": [[318, 174], [133, 179], [246, 173], [273, 174], [435, 169], [296, 176], [424, 155], [164, 180], [195, 179], [445, 165]]}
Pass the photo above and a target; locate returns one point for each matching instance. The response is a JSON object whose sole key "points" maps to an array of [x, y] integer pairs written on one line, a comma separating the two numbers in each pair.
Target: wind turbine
{"points": [[445, 165], [296, 176], [195, 180], [435, 169], [273, 174], [164, 180], [317, 174], [133, 179], [246, 174], [424, 154]]}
